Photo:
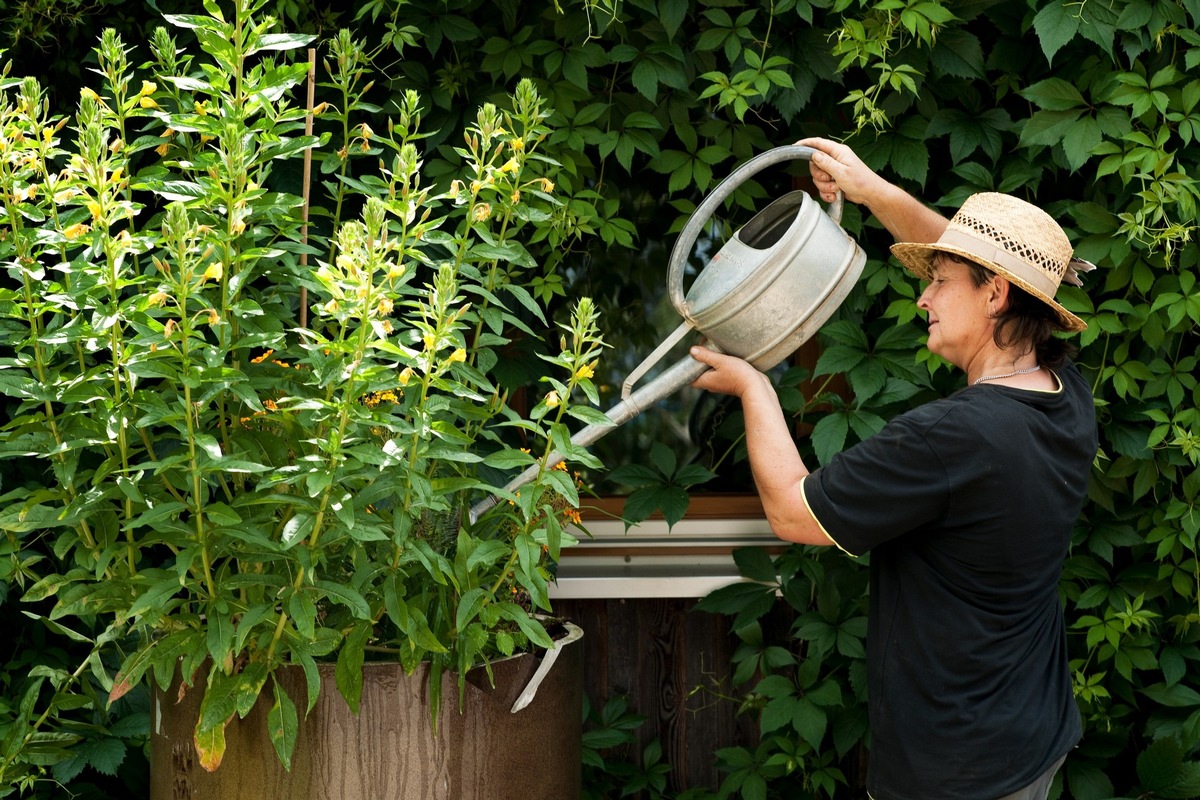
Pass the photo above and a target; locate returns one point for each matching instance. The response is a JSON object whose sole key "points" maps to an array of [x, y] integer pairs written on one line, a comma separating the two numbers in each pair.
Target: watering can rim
{"points": [[700, 217]]}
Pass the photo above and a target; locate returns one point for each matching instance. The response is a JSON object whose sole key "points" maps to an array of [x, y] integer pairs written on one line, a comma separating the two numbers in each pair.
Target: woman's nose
{"points": [[923, 300]]}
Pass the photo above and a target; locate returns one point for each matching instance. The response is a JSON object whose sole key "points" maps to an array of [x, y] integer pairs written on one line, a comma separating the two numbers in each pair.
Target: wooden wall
{"points": [[675, 665]]}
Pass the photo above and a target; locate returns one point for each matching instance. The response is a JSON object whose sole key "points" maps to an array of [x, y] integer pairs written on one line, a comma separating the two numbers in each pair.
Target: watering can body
{"points": [[773, 284], [766, 291]]}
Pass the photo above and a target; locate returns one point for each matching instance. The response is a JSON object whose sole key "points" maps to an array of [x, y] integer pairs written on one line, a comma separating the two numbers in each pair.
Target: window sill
{"points": [[691, 559]]}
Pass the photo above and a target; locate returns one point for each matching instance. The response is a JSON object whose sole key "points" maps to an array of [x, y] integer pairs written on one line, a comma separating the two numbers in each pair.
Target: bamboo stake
{"points": [[308, 129]]}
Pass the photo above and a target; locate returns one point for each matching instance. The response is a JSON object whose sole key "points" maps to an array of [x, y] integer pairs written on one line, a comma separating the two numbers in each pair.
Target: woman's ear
{"points": [[998, 294]]}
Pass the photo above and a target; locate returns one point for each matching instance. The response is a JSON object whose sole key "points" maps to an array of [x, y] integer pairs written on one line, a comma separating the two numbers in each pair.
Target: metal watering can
{"points": [[765, 293]]}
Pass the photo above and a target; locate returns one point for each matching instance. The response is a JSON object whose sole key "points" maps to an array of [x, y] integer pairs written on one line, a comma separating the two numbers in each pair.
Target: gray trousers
{"points": [[1036, 790], [1039, 788]]}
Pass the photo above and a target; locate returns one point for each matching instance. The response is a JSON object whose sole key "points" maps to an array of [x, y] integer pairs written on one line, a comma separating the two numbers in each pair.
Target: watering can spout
{"points": [[671, 380]]}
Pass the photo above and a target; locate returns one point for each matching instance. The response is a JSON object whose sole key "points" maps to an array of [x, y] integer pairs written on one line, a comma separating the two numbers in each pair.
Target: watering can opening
{"points": [[771, 224]]}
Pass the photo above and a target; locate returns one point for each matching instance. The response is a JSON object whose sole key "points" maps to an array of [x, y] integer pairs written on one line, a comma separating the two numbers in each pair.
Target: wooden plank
{"points": [[675, 665]]}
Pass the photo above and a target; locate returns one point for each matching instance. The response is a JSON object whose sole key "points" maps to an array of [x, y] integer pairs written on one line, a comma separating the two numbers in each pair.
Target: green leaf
{"points": [[1054, 94], [810, 722], [829, 436], [346, 596], [645, 79], [958, 53], [1162, 770], [282, 725], [1055, 25], [755, 563], [282, 41], [469, 606], [1177, 696], [348, 674], [672, 13], [104, 754], [663, 458], [1048, 127]]}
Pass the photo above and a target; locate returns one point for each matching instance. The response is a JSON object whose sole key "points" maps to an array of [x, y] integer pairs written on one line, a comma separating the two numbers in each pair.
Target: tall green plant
{"points": [[220, 479], [1088, 110]]}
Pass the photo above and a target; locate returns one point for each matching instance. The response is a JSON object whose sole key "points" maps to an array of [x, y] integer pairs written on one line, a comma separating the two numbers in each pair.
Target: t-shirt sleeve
{"points": [[880, 488]]}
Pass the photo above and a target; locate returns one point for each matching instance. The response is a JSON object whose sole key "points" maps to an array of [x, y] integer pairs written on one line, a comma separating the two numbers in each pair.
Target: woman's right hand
{"points": [[835, 166]]}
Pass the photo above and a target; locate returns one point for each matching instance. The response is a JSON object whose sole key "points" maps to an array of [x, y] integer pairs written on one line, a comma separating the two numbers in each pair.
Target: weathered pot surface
{"points": [[389, 751]]}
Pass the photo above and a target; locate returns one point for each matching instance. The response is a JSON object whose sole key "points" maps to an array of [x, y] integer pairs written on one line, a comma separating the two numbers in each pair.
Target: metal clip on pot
{"points": [[767, 290]]}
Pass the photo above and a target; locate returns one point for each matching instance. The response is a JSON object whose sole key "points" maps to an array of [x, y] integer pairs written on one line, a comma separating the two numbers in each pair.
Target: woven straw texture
{"points": [[1011, 238]]}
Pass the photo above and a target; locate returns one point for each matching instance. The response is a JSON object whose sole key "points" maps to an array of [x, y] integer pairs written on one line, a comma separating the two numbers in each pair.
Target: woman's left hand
{"points": [[729, 374]]}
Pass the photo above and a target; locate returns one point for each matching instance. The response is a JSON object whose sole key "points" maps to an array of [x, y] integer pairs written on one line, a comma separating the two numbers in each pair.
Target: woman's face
{"points": [[959, 322]]}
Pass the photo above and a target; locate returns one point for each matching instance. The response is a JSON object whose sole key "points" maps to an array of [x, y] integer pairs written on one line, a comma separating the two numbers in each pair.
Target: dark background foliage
{"points": [[1090, 110]]}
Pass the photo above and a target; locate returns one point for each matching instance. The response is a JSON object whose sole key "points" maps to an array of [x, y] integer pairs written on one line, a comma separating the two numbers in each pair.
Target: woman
{"points": [[966, 504]]}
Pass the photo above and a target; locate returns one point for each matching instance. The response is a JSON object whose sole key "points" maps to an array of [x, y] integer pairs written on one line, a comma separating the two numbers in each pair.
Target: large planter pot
{"points": [[389, 749]]}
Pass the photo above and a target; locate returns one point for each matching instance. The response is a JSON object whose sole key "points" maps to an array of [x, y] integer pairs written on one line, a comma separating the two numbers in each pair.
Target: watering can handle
{"points": [[691, 231]]}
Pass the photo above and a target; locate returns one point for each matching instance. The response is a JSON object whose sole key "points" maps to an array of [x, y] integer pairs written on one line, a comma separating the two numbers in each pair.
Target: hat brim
{"points": [[918, 259]]}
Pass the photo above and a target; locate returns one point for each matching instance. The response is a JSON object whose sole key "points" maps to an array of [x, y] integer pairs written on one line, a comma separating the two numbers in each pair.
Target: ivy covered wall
{"points": [[1091, 110]]}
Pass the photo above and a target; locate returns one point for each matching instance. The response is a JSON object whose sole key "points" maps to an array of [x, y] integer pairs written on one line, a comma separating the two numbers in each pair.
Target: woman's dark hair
{"points": [[1026, 321]]}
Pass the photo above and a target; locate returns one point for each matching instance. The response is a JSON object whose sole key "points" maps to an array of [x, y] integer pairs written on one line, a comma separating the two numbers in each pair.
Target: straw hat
{"points": [[1012, 238]]}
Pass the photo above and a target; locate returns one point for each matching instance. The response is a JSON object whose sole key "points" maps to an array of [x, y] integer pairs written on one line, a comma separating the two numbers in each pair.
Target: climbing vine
{"points": [[1091, 110]]}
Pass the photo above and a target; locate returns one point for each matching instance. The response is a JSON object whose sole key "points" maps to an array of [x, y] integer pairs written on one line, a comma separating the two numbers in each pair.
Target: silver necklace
{"points": [[980, 380]]}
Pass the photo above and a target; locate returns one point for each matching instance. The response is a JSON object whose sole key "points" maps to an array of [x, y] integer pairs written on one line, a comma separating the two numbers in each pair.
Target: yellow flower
{"points": [[331, 307], [365, 131], [94, 207], [163, 149], [201, 107], [511, 165], [459, 355], [552, 400], [76, 230], [586, 371], [157, 299], [149, 87], [405, 376], [482, 211], [515, 196], [547, 185], [86, 92], [147, 102], [262, 358], [517, 144], [213, 318], [430, 341], [396, 271], [385, 307], [116, 145], [214, 271]]}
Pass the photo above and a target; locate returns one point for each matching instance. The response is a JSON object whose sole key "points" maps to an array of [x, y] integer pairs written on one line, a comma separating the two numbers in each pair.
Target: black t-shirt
{"points": [[966, 505]]}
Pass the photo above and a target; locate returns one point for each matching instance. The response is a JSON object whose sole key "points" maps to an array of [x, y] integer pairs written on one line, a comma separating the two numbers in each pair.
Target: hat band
{"points": [[956, 237]]}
